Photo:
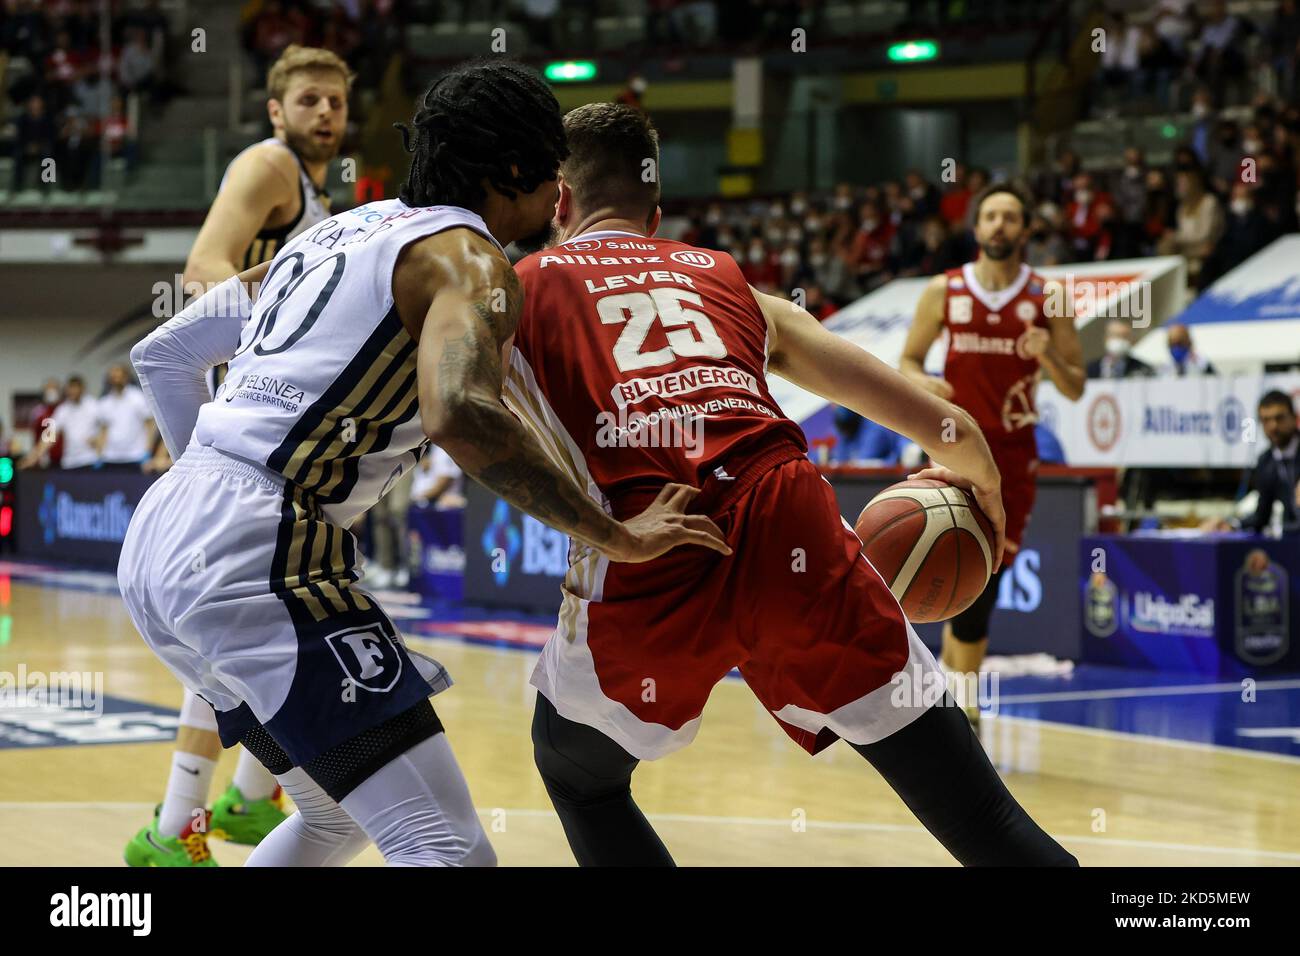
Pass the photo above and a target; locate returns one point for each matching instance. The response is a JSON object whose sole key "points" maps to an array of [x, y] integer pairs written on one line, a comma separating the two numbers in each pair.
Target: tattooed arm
{"points": [[461, 300]]}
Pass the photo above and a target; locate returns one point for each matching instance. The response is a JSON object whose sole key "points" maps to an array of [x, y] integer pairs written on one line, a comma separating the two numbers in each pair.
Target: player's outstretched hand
{"points": [[665, 525], [989, 500]]}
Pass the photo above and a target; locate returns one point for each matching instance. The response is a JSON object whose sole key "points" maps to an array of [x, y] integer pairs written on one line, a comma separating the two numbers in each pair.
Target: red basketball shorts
{"points": [[1017, 462], [814, 630]]}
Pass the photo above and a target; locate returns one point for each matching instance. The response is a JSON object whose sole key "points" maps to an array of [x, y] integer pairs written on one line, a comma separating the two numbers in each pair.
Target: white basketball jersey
{"points": [[323, 387], [313, 208]]}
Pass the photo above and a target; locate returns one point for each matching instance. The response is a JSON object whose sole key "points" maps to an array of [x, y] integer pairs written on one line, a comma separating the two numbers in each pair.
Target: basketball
{"points": [[931, 544]]}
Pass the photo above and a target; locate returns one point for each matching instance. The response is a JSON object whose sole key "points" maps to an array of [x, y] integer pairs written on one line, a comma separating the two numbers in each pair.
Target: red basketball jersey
{"points": [[991, 376], [639, 361]]}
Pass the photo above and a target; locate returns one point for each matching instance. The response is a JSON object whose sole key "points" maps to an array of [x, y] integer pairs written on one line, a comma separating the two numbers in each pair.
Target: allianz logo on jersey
{"points": [[1189, 616], [64, 517], [531, 548]]}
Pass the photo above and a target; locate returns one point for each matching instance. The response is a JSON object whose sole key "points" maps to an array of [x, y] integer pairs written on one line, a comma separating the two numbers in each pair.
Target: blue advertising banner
{"points": [[437, 537], [513, 560], [1219, 605], [77, 516]]}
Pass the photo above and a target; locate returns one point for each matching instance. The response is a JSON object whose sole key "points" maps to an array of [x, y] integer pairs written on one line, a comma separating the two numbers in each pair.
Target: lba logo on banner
{"points": [[1263, 629]]}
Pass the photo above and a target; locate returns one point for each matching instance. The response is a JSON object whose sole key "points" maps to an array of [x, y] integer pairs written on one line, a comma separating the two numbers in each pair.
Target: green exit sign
{"points": [[570, 71], [913, 51]]}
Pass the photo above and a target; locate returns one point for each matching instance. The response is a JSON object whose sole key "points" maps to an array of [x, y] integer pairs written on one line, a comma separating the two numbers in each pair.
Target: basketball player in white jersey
{"points": [[272, 192], [373, 333]]}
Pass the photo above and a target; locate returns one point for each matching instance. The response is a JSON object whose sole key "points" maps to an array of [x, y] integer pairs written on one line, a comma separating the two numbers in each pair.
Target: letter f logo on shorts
{"points": [[368, 656]]}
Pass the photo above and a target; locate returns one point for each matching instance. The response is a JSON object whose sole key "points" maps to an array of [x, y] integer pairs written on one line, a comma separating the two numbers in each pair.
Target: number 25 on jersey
{"points": [[689, 332]]}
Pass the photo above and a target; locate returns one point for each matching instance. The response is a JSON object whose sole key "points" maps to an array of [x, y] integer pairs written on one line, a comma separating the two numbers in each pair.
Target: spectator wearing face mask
{"points": [[1117, 362], [1083, 215], [869, 254], [924, 194], [1198, 221], [788, 262], [1130, 186], [760, 267], [1184, 362], [1275, 193], [78, 422], [1245, 232], [829, 271], [41, 418], [1047, 245], [1205, 125]]}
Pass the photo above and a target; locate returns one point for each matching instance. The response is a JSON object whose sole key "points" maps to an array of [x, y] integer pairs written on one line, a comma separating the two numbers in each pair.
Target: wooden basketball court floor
{"points": [[743, 794]]}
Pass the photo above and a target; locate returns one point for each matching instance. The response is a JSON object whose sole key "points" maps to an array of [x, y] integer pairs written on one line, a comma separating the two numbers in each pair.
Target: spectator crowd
{"points": [[73, 430], [1222, 198], [66, 92]]}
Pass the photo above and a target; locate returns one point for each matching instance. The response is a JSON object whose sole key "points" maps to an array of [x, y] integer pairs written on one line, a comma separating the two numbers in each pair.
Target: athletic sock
{"points": [[187, 792], [191, 774]]}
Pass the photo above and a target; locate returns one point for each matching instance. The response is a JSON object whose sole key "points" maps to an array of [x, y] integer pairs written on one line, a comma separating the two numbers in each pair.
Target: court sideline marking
{"points": [[707, 820]]}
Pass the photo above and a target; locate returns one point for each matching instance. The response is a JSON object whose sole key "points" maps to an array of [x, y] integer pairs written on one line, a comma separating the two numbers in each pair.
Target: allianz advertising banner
{"points": [[1207, 422], [78, 517]]}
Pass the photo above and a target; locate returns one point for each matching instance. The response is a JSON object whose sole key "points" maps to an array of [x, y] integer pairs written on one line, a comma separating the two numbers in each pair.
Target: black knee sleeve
{"points": [[589, 779], [938, 767], [578, 764], [972, 624]]}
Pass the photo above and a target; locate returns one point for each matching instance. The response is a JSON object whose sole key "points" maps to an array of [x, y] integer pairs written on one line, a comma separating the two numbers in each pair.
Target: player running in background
{"points": [[640, 362], [1005, 325], [377, 331], [272, 191]]}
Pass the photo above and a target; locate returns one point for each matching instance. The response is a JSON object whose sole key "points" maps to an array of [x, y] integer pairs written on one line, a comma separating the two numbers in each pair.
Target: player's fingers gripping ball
{"points": [[931, 543]]}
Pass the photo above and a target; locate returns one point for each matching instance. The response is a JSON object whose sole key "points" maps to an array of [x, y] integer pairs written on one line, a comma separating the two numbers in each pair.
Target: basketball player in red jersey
{"points": [[1006, 325], [640, 362]]}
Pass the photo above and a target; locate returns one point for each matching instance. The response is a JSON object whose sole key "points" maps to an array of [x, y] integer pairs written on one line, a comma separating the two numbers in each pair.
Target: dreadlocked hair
{"points": [[473, 124]]}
